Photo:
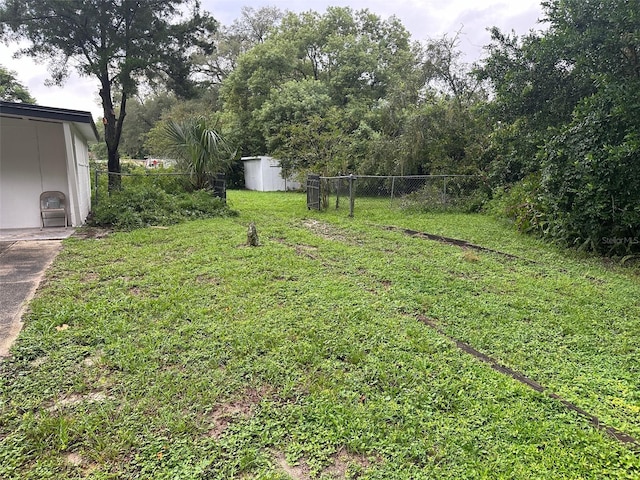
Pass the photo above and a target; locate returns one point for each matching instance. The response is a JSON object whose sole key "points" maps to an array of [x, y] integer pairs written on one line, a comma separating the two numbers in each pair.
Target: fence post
{"points": [[393, 184], [351, 195], [444, 190], [220, 186], [338, 191], [96, 184]]}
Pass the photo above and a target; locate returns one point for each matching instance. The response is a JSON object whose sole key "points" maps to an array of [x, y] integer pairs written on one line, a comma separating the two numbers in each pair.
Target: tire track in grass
{"points": [[455, 242], [613, 432], [618, 435]]}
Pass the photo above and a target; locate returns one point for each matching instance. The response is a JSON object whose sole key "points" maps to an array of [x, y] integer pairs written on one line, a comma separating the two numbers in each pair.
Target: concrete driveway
{"points": [[23, 261]]}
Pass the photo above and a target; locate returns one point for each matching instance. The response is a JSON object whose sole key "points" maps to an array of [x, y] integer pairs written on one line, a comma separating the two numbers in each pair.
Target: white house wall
{"points": [[32, 160], [78, 175], [81, 154]]}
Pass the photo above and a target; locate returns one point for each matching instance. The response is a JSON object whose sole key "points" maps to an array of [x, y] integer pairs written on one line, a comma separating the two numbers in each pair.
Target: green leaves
{"points": [[199, 149], [567, 98], [311, 65], [591, 173], [11, 90]]}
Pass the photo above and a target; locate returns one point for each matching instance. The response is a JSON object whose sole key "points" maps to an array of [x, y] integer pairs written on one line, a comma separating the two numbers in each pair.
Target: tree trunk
{"points": [[112, 132], [113, 165]]}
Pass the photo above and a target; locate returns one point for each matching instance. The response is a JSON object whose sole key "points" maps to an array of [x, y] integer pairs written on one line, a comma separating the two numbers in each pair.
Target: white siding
{"points": [[81, 151], [31, 161], [253, 174], [265, 174], [36, 156]]}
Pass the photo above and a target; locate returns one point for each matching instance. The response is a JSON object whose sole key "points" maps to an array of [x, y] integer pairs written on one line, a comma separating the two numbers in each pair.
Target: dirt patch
{"points": [[92, 232], [93, 359], [300, 248], [226, 413], [77, 398], [39, 361], [296, 472], [208, 280], [90, 277], [344, 462], [327, 231], [75, 460], [135, 291]]}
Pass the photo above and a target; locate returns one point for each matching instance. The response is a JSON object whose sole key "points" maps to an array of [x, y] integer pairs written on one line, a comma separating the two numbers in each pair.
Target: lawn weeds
{"points": [[188, 354]]}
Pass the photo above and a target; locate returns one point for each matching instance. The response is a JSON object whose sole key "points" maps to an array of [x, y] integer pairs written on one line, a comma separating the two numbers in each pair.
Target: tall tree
{"points": [[252, 28], [142, 116], [11, 90], [307, 66], [122, 43], [568, 102]]}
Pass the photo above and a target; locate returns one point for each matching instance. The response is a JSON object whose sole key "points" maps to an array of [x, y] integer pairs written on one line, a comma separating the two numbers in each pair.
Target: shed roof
{"points": [[83, 120]]}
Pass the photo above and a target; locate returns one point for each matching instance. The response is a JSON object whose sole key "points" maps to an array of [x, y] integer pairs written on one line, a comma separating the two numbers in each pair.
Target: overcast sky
{"points": [[423, 18]]}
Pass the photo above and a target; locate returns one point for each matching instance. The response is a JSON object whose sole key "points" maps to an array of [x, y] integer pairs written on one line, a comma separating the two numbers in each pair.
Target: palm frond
{"points": [[199, 149]]}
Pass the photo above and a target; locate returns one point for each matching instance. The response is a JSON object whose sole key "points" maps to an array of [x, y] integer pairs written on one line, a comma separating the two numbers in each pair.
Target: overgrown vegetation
{"points": [[199, 150], [145, 206], [550, 116], [183, 353], [566, 103], [158, 198]]}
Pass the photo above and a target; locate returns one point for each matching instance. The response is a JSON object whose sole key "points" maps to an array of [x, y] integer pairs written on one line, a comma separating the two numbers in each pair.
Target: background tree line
{"points": [[550, 118]]}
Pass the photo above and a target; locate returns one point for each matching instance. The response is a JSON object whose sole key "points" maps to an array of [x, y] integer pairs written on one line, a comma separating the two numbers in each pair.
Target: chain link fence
{"points": [[170, 182], [418, 192]]}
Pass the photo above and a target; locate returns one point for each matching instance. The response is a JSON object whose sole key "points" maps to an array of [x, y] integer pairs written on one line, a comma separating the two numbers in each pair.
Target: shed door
{"points": [[32, 160]]}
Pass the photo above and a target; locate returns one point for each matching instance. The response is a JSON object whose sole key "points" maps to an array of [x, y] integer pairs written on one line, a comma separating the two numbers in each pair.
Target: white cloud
{"points": [[78, 93], [423, 18]]}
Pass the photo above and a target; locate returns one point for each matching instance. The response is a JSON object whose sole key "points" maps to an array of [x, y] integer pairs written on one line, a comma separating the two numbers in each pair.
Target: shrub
{"points": [[466, 195], [522, 204], [591, 173], [149, 205]]}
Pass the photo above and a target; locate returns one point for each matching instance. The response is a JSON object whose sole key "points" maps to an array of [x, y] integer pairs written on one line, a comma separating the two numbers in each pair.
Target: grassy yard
{"points": [[181, 353]]}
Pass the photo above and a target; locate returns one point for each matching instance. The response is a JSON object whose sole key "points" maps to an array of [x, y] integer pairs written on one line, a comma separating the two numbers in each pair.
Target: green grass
{"points": [[182, 353]]}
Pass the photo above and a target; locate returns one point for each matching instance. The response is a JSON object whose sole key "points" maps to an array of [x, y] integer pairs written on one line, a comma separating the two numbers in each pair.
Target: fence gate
{"points": [[219, 184], [313, 192]]}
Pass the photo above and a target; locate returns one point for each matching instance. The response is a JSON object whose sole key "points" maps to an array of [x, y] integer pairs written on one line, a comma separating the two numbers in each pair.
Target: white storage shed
{"points": [[43, 149], [264, 174]]}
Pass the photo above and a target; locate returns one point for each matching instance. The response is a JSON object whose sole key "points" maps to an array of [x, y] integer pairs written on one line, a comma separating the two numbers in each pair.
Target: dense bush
{"points": [[566, 108], [522, 204], [591, 174], [148, 205]]}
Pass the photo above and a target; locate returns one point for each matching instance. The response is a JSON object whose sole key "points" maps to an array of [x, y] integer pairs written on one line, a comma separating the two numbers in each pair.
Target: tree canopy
{"points": [[122, 43], [567, 100], [11, 90], [334, 91]]}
